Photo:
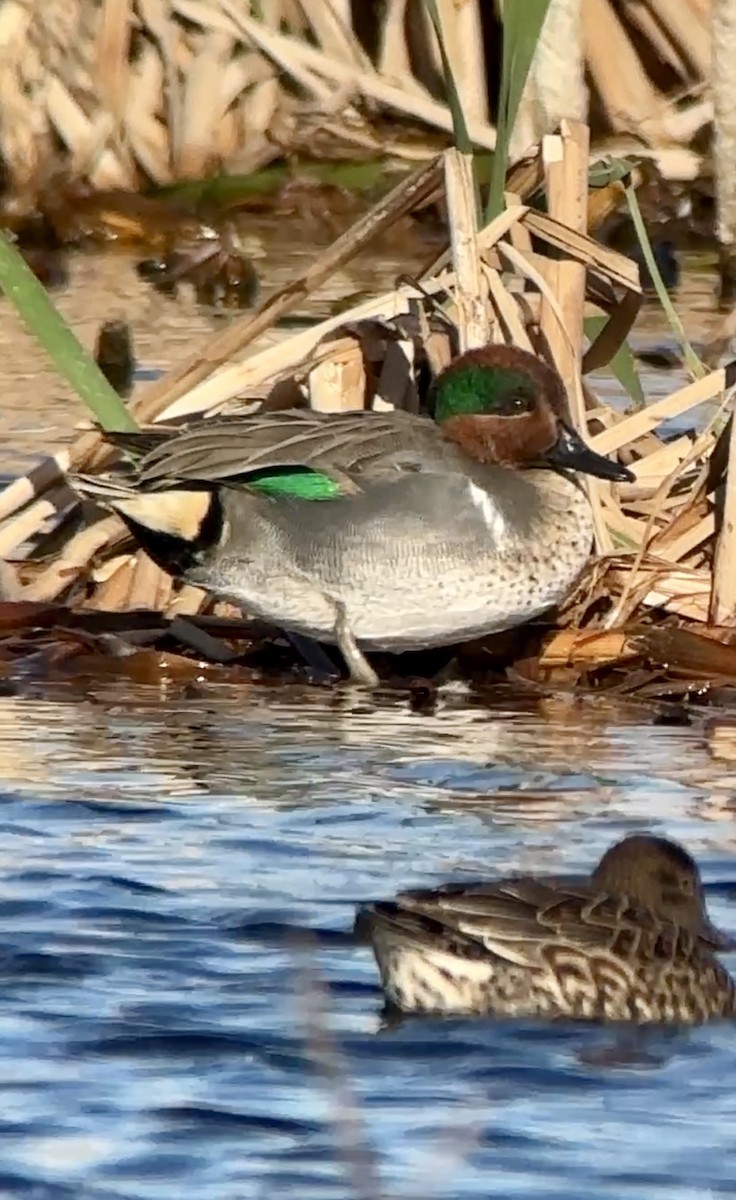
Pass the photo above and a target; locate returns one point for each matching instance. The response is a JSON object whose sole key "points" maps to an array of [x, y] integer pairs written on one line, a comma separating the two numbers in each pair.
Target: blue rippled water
{"points": [[158, 855]]}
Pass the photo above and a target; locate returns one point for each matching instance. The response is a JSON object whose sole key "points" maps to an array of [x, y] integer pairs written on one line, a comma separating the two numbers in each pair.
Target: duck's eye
{"points": [[675, 885], [669, 880], [519, 403]]}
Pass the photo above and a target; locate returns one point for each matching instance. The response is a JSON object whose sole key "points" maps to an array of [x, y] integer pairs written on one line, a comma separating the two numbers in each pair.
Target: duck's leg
{"points": [[360, 670]]}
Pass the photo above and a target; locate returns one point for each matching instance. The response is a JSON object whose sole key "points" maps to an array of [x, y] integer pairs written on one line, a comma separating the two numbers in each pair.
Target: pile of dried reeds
{"points": [[527, 278], [139, 90]]}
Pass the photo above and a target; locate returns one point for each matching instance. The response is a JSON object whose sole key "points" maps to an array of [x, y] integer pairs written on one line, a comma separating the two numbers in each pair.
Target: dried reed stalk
{"points": [[565, 159], [463, 33], [339, 383], [555, 89], [566, 177], [626, 432], [630, 100], [723, 600], [206, 83], [470, 288]]}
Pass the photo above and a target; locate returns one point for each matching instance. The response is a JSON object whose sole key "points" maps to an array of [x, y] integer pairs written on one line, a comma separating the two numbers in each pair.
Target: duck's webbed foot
{"points": [[360, 670]]}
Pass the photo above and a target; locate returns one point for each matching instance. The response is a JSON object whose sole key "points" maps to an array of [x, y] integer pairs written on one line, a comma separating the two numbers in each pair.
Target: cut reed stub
{"points": [[115, 356]]}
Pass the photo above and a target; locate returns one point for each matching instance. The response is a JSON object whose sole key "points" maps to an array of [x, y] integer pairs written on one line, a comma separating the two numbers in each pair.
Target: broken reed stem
{"points": [[723, 595], [294, 355], [625, 432], [470, 286], [78, 553], [22, 491], [26, 525], [565, 159], [699, 446]]}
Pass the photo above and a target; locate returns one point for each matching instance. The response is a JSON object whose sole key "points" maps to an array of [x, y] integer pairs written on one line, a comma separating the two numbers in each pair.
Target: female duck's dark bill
{"points": [[715, 937], [571, 451]]}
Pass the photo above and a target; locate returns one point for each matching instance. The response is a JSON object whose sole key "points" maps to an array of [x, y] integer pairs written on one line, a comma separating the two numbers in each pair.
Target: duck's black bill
{"points": [[716, 938], [571, 451]]}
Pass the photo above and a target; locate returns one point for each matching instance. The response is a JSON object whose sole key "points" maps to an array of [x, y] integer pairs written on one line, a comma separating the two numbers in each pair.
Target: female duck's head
{"points": [[504, 405], [660, 876]]}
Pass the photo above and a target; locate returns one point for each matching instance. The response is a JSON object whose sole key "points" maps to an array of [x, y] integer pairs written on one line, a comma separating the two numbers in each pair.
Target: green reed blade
{"points": [[71, 360], [461, 137], [522, 26], [622, 365], [694, 365]]}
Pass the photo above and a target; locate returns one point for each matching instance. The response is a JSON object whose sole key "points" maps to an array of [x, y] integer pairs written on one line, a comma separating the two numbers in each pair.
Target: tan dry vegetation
{"points": [[659, 588], [123, 91]]}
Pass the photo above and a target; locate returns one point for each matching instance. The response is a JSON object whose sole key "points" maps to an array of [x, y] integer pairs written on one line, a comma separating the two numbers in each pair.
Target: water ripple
{"points": [[161, 864]]}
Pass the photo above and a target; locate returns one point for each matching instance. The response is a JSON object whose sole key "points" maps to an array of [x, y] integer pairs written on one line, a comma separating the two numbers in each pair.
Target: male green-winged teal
{"points": [[631, 942], [377, 531]]}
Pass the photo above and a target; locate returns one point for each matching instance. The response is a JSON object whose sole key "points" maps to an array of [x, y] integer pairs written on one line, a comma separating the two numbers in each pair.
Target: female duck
{"points": [[376, 531], [632, 942]]}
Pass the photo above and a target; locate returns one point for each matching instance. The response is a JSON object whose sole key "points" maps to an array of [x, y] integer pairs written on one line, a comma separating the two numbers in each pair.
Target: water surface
{"points": [[160, 850]]}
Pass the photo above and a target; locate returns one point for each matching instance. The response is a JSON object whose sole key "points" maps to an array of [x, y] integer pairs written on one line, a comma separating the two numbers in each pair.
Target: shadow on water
{"points": [[158, 853]]}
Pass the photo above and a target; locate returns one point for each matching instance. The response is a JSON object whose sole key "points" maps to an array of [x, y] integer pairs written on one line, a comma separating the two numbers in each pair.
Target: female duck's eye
{"points": [[681, 885]]}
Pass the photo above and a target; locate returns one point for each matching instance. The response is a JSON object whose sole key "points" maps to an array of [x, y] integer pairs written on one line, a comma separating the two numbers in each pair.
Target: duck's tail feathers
{"points": [[387, 920], [103, 489], [137, 444]]}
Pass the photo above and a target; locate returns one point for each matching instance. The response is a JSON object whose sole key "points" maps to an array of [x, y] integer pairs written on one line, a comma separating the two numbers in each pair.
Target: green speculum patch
{"points": [[299, 483]]}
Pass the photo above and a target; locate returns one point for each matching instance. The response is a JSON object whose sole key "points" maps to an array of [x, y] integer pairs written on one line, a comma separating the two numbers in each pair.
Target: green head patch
{"points": [[480, 390]]}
